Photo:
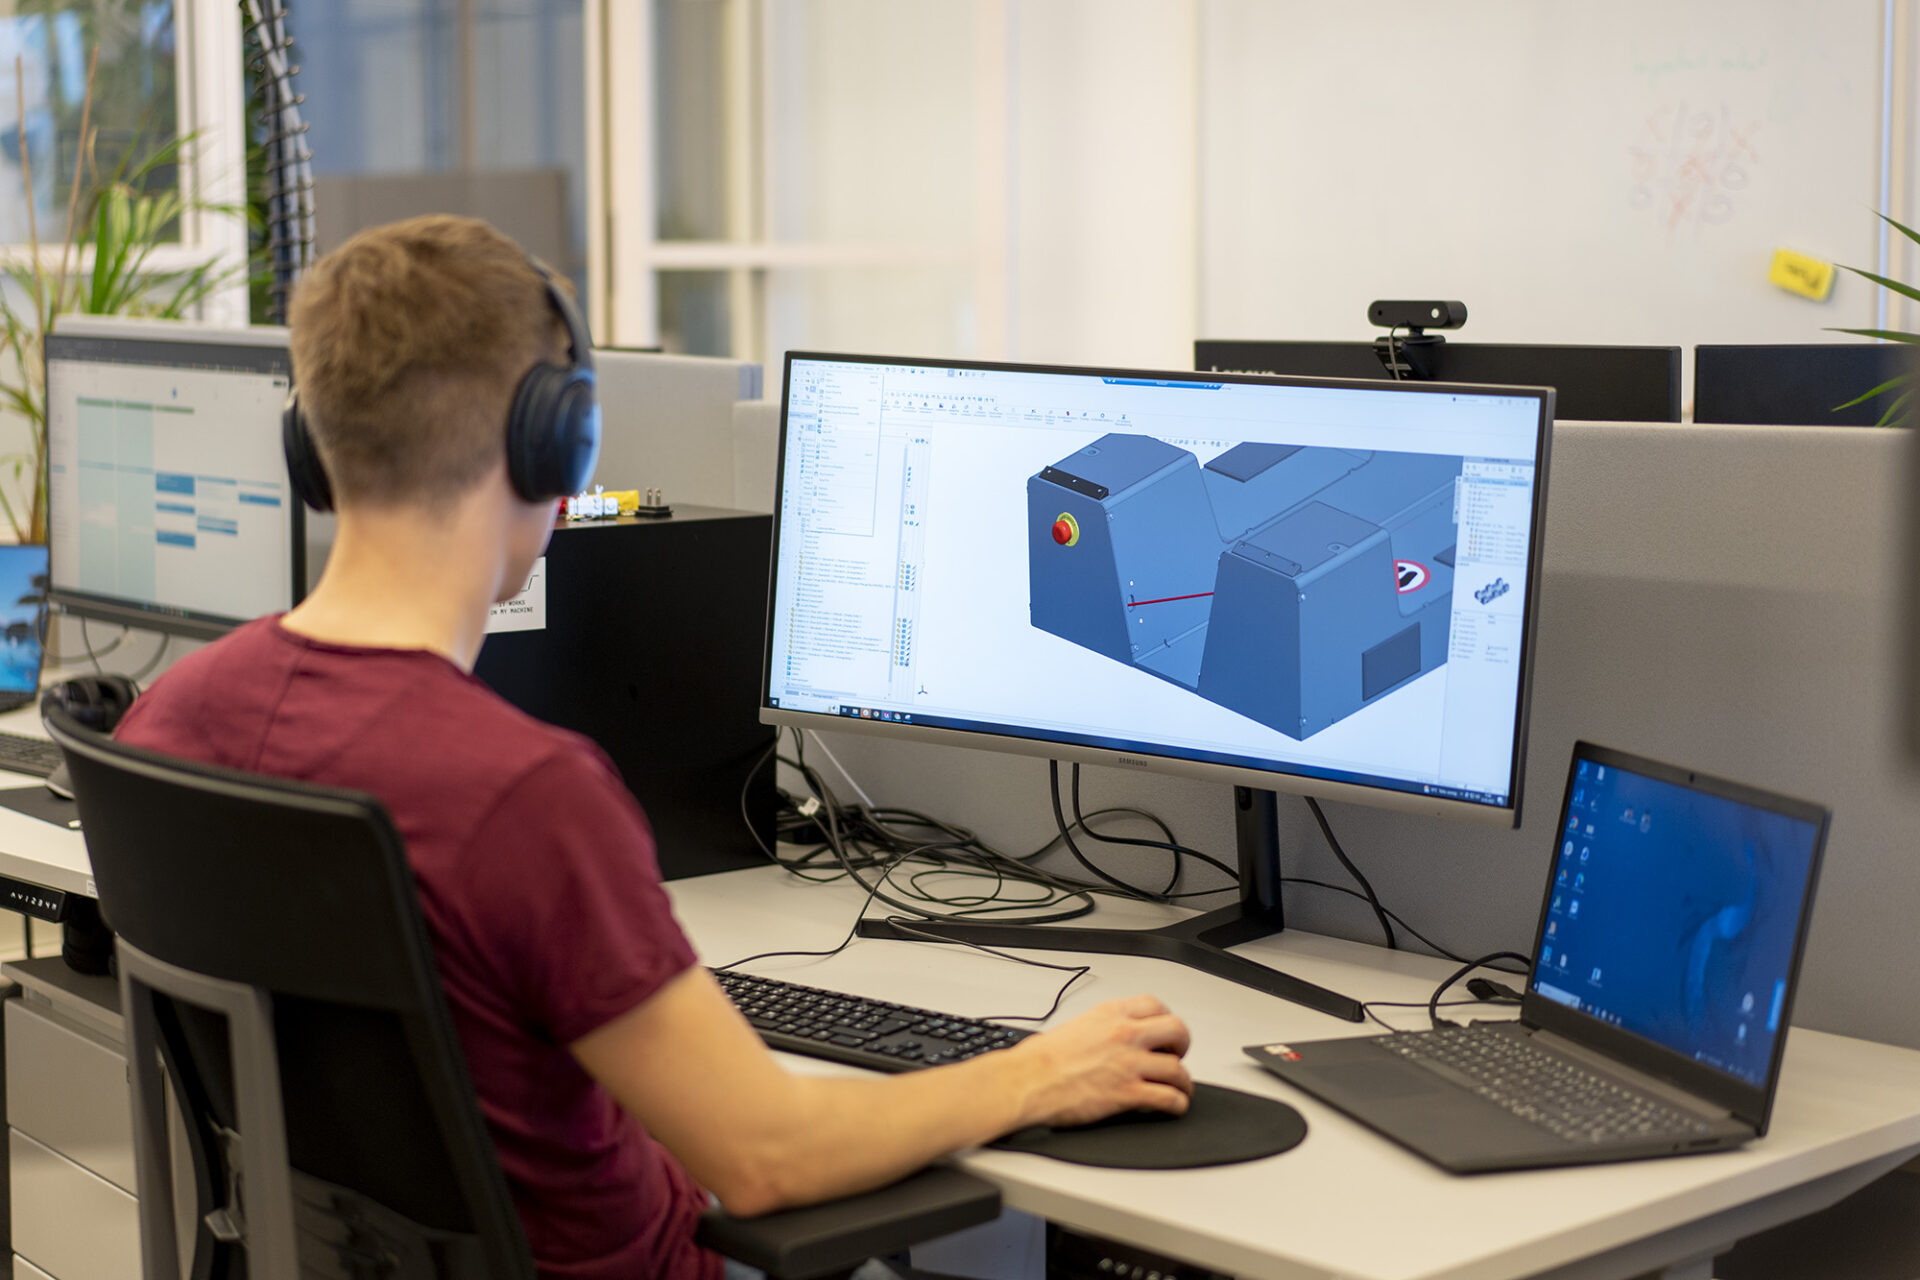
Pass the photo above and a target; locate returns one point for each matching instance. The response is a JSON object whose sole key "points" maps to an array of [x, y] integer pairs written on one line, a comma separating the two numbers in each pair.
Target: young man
{"points": [[618, 1081]]}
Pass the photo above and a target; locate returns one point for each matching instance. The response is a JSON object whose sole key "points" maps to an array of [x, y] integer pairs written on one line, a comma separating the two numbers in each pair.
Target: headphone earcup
{"points": [[305, 472], [116, 698], [95, 702], [553, 432]]}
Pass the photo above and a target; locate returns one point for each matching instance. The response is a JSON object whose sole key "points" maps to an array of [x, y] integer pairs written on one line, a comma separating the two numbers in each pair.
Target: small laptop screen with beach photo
{"points": [[23, 605]]}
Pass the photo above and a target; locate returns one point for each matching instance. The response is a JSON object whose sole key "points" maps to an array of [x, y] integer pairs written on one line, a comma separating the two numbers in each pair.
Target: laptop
{"points": [[1656, 1011], [23, 606]]}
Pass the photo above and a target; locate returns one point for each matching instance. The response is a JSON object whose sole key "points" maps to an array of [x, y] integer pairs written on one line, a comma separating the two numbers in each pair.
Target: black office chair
{"points": [[272, 957]]}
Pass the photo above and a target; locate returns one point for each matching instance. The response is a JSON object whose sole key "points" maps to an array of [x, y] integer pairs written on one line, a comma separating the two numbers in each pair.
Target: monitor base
{"points": [[1199, 943]]}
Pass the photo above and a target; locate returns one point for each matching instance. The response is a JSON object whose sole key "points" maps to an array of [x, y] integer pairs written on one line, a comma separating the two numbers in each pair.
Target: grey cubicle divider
{"points": [[1726, 597], [756, 446], [668, 423]]}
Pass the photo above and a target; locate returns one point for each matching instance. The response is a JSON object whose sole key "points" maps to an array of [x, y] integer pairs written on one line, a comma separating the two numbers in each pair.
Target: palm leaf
{"points": [[1902, 228], [1904, 290], [1889, 335], [1882, 389], [1896, 414]]}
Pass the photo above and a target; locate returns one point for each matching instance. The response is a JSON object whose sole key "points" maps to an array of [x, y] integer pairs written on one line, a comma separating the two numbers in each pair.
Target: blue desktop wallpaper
{"points": [[23, 581], [1673, 915]]}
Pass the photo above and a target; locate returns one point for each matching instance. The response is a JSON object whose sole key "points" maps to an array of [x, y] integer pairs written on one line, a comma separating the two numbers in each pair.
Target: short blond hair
{"points": [[408, 341]]}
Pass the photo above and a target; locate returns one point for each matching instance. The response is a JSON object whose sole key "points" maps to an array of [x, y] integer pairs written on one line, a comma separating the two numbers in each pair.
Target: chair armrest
{"points": [[822, 1239]]}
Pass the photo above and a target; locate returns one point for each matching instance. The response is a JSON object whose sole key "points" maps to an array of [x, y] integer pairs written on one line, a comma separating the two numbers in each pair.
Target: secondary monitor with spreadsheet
{"points": [[168, 502], [1318, 587]]}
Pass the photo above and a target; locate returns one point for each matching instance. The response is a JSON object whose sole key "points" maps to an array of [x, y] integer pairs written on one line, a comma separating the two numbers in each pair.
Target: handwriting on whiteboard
{"points": [[1691, 163]]}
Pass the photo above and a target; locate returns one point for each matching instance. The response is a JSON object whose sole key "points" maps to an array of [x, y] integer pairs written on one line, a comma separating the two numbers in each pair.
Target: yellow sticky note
{"points": [[1797, 273]]}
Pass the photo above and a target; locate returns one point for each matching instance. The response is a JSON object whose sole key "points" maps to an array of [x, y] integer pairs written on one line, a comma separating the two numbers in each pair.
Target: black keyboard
{"points": [[852, 1029], [1543, 1087], [21, 754]]}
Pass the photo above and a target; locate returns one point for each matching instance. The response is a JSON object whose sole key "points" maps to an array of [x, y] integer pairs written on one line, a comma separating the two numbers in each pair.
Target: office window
{"points": [[813, 172], [979, 178], [45, 47], [448, 106], [167, 69]]}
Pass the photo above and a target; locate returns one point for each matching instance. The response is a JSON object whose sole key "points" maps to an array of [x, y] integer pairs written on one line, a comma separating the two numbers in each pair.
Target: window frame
{"points": [[625, 258], [210, 93]]}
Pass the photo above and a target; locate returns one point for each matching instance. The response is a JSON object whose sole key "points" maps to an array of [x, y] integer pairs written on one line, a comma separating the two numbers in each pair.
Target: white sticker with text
{"points": [[526, 611]]}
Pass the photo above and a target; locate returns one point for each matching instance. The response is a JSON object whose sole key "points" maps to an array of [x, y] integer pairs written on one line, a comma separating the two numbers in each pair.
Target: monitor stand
{"points": [[1199, 943]]}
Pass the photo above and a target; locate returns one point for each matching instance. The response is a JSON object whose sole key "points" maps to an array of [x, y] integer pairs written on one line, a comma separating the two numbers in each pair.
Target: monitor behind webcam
{"points": [[1599, 384]]}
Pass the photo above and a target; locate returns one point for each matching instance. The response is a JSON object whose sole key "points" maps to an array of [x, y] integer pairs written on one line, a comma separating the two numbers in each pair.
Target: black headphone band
{"points": [[579, 341]]}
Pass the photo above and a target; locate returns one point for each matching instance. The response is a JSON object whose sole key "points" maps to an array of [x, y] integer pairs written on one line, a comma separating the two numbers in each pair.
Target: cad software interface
{"points": [[168, 488], [1322, 581], [1673, 914]]}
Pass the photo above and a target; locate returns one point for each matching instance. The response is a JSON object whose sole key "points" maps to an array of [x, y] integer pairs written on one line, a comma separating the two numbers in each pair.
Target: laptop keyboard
{"points": [[21, 754], [1542, 1087]]}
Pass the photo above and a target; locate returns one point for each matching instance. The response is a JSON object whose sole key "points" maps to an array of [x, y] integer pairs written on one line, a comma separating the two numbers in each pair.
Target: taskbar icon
{"points": [[875, 713]]}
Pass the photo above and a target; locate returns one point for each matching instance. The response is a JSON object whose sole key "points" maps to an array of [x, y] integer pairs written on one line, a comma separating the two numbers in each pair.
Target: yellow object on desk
{"points": [[1798, 273]]}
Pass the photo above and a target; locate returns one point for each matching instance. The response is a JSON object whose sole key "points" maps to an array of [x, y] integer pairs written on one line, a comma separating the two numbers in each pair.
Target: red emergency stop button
{"points": [[1066, 530]]}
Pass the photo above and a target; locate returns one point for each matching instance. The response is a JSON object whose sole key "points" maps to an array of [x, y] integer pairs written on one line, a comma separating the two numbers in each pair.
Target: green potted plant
{"points": [[116, 219], [1899, 410]]}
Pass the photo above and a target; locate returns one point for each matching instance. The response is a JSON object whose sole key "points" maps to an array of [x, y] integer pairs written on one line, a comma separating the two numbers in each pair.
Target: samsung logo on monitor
{"points": [[1136, 762]]}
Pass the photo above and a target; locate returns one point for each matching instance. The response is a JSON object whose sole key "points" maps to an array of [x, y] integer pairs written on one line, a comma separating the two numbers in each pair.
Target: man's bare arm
{"points": [[689, 1067]]}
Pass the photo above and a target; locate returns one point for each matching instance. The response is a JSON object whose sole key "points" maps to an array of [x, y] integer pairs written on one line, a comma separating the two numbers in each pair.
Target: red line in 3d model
{"points": [[1198, 595]]}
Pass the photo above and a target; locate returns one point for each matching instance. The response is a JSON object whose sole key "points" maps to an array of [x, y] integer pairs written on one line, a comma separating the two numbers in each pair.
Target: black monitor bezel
{"points": [[1748, 1102], [1371, 793], [162, 350], [1253, 354], [1746, 384]]}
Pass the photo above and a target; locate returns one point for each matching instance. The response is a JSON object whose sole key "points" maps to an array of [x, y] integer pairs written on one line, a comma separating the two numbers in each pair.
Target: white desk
{"points": [[35, 851], [1346, 1203]]}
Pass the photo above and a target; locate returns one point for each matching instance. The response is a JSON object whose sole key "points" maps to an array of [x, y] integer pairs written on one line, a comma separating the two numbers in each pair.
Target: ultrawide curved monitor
{"points": [[1315, 586]]}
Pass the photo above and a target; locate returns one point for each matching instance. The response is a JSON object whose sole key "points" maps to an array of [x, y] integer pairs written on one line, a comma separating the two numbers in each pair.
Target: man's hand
{"points": [[1119, 1056]]}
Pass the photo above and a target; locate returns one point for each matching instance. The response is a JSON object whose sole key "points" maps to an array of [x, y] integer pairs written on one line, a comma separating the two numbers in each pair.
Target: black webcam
{"points": [[1416, 316]]}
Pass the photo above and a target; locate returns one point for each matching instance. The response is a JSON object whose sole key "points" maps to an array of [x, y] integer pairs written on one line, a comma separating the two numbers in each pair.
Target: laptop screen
{"points": [[1674, 912], [23, 594]]}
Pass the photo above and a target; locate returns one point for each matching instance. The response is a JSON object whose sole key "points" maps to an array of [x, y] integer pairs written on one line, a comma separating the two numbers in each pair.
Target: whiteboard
{"points": [[1573, 172]]}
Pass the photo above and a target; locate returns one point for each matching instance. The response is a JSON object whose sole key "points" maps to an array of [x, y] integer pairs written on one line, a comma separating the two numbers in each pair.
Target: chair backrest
{"points": [[274, 956]]}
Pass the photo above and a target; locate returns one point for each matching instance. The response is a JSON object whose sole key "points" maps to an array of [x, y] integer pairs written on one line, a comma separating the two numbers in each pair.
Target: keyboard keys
{"points": [[866, 1033], [22, 754], [1541, 1087]]}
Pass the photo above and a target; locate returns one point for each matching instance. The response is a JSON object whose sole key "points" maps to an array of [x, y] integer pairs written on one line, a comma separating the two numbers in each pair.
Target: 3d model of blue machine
{"points": [[1294, 585]]}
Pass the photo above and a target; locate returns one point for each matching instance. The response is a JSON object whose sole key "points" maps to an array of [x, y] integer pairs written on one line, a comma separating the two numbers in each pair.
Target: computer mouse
{"points": [[59, 782]]}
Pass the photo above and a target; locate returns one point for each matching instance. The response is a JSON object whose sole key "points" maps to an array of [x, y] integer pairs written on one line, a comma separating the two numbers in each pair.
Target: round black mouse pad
{"points": [[1221, 1126]]}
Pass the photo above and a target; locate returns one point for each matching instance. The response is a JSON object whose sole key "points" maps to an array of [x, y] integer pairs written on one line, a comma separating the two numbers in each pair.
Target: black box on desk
{"points": [[652, 646]]}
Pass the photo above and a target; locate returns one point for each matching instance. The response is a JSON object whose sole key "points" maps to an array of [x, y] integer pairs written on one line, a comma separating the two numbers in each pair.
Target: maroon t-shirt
{"points": [[537, 878]]}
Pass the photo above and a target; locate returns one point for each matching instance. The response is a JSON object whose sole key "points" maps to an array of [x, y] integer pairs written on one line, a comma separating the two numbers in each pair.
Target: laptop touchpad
{"points": [[1380, 1079]]}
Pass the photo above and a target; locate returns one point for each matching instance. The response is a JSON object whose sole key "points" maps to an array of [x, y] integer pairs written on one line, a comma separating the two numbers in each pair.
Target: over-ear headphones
{"points": [[94, 702], [553, 426]]}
